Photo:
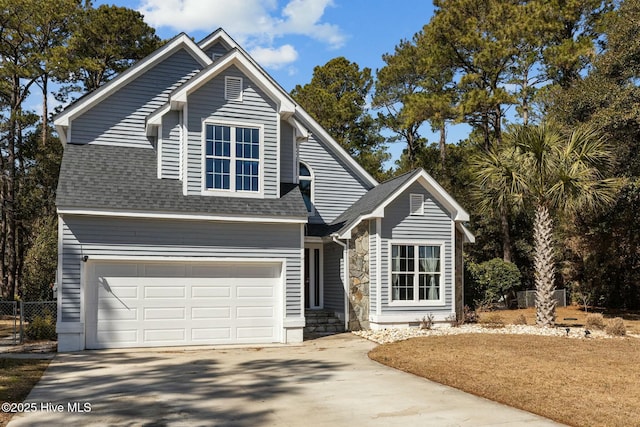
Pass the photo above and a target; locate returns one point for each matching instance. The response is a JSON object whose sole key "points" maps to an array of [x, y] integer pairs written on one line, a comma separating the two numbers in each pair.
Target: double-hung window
{"points": [[232, 158], [416, 272]]}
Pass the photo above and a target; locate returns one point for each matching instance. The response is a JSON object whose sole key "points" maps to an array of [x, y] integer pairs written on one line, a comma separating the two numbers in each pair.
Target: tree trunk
{"points": [[443, 146], [544, 268], [45, 110], [506, 234]]}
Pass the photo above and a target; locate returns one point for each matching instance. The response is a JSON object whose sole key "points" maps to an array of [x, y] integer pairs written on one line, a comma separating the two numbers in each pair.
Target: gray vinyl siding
{"points": [[333, 278], [216, 48], [335, 185], [373, 267], [434, 225], [170, 155], [208, 104], [287, 147], [120, 118], [94, 236]]}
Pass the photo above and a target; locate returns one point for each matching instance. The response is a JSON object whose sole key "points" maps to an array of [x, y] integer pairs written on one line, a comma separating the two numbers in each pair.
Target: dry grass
{"points": [[7, 327], [576, 382], [17, 378], [564, 314]]}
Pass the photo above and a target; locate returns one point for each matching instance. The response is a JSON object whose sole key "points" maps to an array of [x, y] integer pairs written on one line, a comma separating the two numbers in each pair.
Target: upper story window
{"points": [[232, 158], [306, 186]]}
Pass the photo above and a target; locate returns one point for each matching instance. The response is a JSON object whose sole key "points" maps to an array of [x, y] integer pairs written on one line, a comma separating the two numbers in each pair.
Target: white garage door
{"points": [[145, 304]]}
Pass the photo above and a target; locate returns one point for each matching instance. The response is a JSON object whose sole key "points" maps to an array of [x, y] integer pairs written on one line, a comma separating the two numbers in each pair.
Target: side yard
{"points": [[581, 382], [17, 378]]}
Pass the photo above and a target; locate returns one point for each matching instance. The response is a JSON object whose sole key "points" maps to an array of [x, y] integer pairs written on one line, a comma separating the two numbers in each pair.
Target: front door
{"points": [[313, 276]]}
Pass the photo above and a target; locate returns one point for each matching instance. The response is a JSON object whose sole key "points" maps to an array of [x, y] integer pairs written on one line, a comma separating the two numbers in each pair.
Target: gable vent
{"points": [[416, 204], [233, 88]]}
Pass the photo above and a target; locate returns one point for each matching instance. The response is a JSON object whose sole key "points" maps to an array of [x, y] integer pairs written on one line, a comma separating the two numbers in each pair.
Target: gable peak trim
{"points": [[181, 41]]}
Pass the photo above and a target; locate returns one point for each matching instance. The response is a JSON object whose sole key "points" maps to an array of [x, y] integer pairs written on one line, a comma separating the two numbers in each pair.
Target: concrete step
{"points": [[322, 322]]}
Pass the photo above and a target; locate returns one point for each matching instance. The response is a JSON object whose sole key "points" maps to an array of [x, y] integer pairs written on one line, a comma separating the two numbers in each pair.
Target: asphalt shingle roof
{"points": [[118, 178], [371, 200]]}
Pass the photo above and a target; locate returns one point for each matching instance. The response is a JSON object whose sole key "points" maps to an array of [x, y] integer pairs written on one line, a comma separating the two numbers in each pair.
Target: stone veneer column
{"points": [[359, 277]]}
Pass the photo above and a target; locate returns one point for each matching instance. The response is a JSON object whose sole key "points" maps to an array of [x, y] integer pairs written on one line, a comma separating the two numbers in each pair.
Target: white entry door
{"points": [[313, 276], [146, 304]]}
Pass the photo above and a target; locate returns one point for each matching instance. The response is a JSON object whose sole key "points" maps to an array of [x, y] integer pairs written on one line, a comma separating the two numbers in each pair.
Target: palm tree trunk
{"points": [[544, 268]]}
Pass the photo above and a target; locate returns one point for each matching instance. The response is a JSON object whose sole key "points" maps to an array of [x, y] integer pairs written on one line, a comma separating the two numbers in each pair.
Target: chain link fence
{"points": [[38, 320], [9, 323], [528, 298]]}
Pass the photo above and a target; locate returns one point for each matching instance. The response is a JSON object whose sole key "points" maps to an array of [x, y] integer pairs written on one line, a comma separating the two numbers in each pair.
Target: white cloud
{"points": [[253, 23], [275, 58]]}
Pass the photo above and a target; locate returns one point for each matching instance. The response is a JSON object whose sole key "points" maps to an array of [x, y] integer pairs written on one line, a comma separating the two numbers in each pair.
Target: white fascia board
{"points": [[194, 217], [377, 213], [218, 35], [301, 132], [62, 133], [468, 235], [237, 58], [154, 120], [316, 129], [441, 195], [181, 41]]}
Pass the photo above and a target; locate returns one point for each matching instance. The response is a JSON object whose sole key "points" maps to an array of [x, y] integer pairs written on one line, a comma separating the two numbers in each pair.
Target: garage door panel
{"points": [[214, 313], [192, 304], [210, 334], [164, 313], [254, 291], [164, 335], [151, 292], [254, 312], [212, 271], [202, 291]]}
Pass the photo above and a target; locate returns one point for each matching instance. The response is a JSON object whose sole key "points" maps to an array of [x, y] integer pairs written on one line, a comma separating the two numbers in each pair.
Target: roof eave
{"points": [[63, 119]]}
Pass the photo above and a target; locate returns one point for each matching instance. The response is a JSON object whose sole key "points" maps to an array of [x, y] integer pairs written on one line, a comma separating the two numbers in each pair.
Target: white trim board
{"points": [[195, 217]]}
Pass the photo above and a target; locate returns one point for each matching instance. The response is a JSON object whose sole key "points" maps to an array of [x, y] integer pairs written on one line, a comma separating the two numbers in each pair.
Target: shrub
{"points": [[41, 328], [520, 320], [492, 281], [493, 320], [616, 327], [594, 321], [470, 316], [426, 322]]}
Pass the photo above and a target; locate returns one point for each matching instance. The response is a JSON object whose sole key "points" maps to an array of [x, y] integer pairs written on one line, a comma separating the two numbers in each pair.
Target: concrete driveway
{"points": [[324, 382]]}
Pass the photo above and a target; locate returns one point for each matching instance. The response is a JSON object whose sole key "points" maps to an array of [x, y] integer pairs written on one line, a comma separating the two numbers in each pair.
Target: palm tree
{"points": [[541, 167]]}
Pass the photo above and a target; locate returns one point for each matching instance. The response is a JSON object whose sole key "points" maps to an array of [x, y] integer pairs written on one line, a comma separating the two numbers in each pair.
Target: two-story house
{"points": [[199, 204]]}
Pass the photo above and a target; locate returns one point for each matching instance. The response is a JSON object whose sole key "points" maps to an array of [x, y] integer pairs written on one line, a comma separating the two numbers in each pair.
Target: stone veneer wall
{"points": [[359, 277]]}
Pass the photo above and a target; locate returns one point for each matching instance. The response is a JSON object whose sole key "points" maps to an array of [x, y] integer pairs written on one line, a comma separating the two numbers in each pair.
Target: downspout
{"points": [[345, 281]]}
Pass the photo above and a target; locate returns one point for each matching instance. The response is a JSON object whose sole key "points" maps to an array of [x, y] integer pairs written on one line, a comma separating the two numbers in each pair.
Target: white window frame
{"points": [[416, 289], [232, 167], [311, 178]]}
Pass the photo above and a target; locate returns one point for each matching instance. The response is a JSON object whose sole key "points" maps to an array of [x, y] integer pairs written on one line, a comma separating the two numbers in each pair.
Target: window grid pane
{"points": [[247, 149], [406, 282], [217, 157]]}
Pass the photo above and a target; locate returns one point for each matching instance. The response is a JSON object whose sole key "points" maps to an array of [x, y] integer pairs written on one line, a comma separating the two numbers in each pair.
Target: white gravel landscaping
{"points": [[392, 335]]}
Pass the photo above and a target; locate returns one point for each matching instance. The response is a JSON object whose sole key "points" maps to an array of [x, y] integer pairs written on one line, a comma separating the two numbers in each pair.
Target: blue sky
{"points": [[290, 37]]}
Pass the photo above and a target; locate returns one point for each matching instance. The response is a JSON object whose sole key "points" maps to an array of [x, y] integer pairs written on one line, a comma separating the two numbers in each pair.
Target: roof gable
{"points": [[286, 107], [373, 203], [182, 41]]}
